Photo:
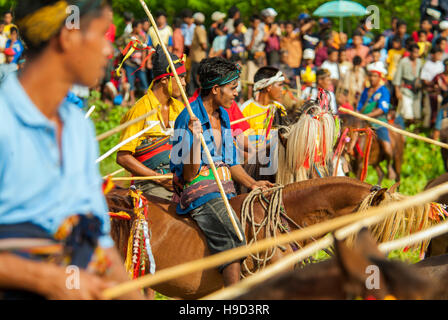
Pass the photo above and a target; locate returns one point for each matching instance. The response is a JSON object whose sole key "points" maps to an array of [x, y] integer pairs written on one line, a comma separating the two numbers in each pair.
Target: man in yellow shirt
{"points": [[148, 155], [268, 82], [7, 18]]}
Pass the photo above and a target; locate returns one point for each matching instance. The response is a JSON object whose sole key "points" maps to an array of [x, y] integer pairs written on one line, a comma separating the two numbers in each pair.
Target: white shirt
{"points": [[333, 67], [431, 69]]}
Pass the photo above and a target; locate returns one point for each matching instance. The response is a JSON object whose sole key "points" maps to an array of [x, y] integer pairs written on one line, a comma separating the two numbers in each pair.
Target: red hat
{"points": [[9, 52]]}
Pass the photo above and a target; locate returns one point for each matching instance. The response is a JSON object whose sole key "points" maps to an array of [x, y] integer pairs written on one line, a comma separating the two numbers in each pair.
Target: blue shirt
{"points": [[17, 47], [183, 142], [34, 186], [188, 33], [382, 96]]}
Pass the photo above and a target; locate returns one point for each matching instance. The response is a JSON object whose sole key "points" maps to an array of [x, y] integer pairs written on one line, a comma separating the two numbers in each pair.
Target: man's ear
{"points": [[216, 90], [69, 40]]}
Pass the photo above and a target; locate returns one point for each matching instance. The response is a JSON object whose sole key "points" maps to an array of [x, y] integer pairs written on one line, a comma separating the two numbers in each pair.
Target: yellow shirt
{"points": [[251, 107], [147, 103], [7, 29], [393, 58]]}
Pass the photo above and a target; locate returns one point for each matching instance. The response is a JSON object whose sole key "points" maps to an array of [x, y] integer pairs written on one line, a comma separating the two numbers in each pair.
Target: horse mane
{"points": [[309, 146], [401, 223], [300, 185]]}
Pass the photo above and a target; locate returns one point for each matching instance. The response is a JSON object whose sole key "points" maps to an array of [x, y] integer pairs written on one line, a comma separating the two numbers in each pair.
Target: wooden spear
{"points": [[124, 126], [248, 118], [187, 104], [392, 128]]}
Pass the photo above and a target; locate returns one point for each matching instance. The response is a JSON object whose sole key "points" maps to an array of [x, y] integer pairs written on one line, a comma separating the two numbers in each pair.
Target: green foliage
{"points": [[106, 117]]}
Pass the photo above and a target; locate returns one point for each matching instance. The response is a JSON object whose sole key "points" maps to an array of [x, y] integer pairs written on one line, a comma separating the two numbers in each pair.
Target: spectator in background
{"points": [[376, 62], [145, 27], [407, 85], [435, 10], [178, 38], [9, 66], [8, 18], [358, 49], [165, 31], [15, 44], [400, 33], [322, 49], [442, 43], [344, 63], [218, 19], [332, 65], [3, 40], [291, 46], [379, 43], [218, 48], [133, 65], [128, 21], [253, 40], [198, 51], [351, 85], [323, 82], [272, 35], [443, 27], [308, 69], [310, 40], [425, 25], [423, 44], [188, 29], [393, 57], [430, 70], [391, 32], [233, 14], [235, 48]]}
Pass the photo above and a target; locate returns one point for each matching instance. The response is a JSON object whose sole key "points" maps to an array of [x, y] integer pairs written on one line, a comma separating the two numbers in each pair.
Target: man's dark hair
{"points": [[265, 73], [357, 34], [187, 13], [128, 16], [160, 13], [233, 10], [422, 32], [332, 50], [136, 23], [376, 50], [255, 17], [378, 37], [401, 23], [214, 68], [426, 19], [396, 39], [439, 41], [177, 23], [89, 10], [357, 60], [13, 29], [237, 22], [322, 74], [8, 12], [414, 46], [436, 50]]}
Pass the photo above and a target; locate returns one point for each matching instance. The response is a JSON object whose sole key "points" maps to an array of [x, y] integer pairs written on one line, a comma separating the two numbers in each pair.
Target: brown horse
{"points": [[176, 239], [347, 274], [359, 141]]}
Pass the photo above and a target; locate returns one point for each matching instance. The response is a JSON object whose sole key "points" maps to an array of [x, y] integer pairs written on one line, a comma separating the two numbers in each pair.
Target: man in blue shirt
{"points": [[374, 103], [48, 175], [194, 182]]}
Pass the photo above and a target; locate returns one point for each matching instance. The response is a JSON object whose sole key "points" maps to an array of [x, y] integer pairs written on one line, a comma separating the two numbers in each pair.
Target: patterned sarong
{"points": [[154, 152]]}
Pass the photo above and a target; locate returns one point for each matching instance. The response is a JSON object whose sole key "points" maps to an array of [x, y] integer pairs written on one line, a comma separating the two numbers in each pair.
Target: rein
{"points": [[275, 220]]}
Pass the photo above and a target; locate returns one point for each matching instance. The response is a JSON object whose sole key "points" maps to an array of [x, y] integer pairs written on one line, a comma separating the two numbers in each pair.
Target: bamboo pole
{"points": [[248, 118], [302, 234], [124, 126], [187, 104], [89, 113], [392, 128], [290, 260], [114, 173], [122, 143], [167, 176]]}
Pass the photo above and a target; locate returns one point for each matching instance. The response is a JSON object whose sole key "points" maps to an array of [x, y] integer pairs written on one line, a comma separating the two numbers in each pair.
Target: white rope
{"points": [[118, 146], [264, 83]]}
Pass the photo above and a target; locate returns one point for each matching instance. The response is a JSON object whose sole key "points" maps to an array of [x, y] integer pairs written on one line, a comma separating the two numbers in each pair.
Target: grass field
{"points": [[422, 162]]}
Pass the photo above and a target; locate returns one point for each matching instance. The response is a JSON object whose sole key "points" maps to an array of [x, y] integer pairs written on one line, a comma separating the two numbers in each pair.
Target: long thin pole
{"points": [[118, 146], [187, 104], [248, 118], [166, 176], [298, 235], [124, 126], [392, 128], [292, 259]]}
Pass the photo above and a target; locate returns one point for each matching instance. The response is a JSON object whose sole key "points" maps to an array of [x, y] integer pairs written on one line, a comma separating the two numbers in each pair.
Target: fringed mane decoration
{"points": [[403, 222], [310, 144]]}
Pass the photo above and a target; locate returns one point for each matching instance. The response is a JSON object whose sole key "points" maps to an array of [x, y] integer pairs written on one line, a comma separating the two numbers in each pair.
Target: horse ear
{"points": [[379, 197], [394, 188]]}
